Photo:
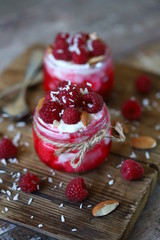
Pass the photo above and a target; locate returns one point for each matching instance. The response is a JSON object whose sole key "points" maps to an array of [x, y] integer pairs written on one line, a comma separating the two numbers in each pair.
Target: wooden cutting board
{"points": [[79, 222]]}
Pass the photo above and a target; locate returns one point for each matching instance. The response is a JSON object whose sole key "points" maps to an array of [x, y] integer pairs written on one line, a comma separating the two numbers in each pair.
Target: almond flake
{"points": [[95, 60], [143, 142], [104, 208], [85, 118], [40, 104]]}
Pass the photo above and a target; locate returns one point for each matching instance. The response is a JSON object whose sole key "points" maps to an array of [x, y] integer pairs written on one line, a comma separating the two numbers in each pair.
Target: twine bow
{"points": [[84, 146]]}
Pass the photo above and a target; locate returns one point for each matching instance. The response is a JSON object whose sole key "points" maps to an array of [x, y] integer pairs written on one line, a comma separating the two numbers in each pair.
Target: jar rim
{"points": [[68, 65]]}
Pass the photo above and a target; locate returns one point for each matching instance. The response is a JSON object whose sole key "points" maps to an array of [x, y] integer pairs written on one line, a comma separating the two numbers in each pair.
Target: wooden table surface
{"points": [[127, 26]]}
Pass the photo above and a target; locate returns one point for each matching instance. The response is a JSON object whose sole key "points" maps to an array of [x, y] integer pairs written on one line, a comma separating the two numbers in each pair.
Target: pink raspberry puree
{"points": [[92, 158], [100, 75]]}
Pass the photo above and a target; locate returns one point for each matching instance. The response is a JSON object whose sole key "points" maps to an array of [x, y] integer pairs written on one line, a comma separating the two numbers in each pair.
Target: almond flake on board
{"points": [[85, 118], [143, 142], [104, 208]]}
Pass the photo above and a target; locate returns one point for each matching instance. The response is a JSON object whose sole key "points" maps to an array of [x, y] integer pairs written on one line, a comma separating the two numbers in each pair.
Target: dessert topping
{"points": [[92, 102], [85, 118], [104, 208], [29, 182], [131, 110], [7, 149], [98, 48], [71, 116], [67, 102], [50, 112], [61, 51], [76, 190], [80, 57], [68, 96], [78, 47], [131, 170]]}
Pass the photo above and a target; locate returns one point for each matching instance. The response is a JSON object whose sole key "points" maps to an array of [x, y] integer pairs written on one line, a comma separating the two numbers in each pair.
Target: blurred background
{"points": [[125, 25], [131, 28]]}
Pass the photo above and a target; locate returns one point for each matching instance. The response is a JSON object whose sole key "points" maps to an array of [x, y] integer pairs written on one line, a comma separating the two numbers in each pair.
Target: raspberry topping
{"points": [[78, 47], [7, 149], [69, 95], [76, 190], [80, 56], [84, 88], [71, 116], [92, 102], [29, 182], [61, 51], [61, 36], [98, 48], [50, 112], [144, 84], [131, 170], [131, 110]]}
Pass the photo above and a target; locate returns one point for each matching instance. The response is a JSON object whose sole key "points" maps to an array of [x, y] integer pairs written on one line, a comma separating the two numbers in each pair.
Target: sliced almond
{"points": [[40, 104], [49, 48], [104, 208], [93, 36], [143, 142], [85, 118], [95, 60], [56, 123]]}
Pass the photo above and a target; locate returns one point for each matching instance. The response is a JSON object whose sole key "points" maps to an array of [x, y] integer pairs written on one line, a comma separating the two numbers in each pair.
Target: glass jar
{"points": [[100, 74], [46, 135]]}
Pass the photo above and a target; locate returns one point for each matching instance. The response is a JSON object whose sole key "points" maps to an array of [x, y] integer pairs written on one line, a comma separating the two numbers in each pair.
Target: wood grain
{"points": [[45, 206]]}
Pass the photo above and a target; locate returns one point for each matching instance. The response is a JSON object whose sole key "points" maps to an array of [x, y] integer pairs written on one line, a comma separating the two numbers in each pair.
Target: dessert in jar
{"points": [[71, 128], [80, 58]]}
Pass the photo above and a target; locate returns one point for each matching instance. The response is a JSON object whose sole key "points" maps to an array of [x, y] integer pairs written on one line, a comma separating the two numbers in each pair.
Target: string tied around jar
{"points": [[82, 147]]}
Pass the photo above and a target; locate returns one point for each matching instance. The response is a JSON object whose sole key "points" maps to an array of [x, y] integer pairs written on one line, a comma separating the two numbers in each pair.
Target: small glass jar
{"points": [[43, 132], [100, 74]]}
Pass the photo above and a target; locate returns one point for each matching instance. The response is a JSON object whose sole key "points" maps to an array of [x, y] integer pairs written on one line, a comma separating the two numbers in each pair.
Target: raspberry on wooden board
{"points": [[7, 149], [76, 190]]}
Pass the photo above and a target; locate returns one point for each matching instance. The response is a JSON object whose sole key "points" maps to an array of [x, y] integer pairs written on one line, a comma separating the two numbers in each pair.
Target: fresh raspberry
{"points": [[71, 116], [131, 170], [76, 190], [50, 112], [78, 40], [29, 182], [48, 96], [144, 84], [92, 102], [80, 56], [84, 35], [7, 149], [84, 88], [61, 51], [98, 48], [131, 110], [69, 95], [61, 36], [51, 96]]}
